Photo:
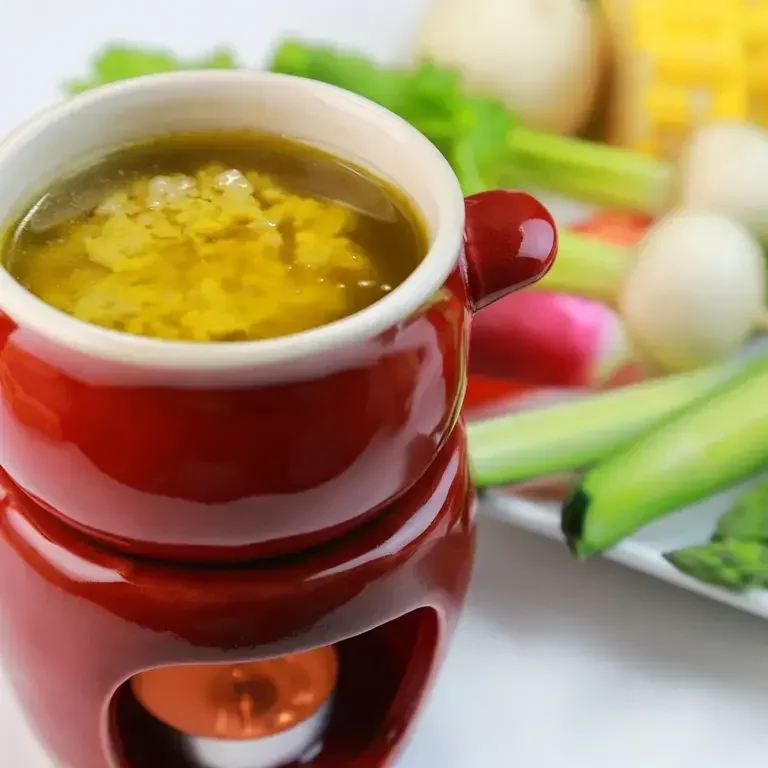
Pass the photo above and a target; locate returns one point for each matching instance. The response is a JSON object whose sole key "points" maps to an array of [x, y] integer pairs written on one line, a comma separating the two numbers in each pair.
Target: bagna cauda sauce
{"points": [[214, 237]]}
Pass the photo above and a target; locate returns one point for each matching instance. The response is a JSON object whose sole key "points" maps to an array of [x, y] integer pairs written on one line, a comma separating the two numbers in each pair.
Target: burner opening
{"points": [[280, 713]]}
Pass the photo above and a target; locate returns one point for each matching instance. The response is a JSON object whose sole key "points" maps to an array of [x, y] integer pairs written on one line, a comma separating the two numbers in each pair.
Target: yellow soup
{"points": [[216, 237]]}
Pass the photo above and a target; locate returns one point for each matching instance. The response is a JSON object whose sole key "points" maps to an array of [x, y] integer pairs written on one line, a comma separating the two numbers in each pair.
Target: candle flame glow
{"points": [[248, 700]]}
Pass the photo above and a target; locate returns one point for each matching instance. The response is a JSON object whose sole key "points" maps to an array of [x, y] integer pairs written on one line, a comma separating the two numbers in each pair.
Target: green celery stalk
{"points": [[606, 176], [575, 435], [716, 442], [586, 266]]}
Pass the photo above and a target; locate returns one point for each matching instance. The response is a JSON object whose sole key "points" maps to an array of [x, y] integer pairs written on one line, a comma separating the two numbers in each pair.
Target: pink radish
{"points": [[548, 340]]}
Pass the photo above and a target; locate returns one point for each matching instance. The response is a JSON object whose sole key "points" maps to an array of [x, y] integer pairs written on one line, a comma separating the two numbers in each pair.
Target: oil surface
{"points": [[216, 237]]}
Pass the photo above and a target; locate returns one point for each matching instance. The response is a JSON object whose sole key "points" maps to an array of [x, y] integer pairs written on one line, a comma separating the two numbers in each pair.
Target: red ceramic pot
{"points": [[326, 470], [241, 450]]}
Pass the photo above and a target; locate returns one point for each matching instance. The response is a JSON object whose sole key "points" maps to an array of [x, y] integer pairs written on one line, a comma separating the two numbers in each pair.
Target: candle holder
{"points": [[185, 526], [83, 624], [253, 715]]}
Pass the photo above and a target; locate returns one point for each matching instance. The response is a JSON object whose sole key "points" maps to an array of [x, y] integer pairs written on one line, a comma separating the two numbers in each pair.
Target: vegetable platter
{"points": [[536, 507]]}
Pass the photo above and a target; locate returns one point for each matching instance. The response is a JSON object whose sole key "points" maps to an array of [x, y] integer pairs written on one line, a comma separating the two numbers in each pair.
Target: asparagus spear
{"points": [[737, 556], [734, 565], [747, 520]]}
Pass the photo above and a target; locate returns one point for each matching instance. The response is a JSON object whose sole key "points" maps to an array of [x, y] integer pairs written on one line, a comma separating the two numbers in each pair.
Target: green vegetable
{"points": [[737, 556], [486, 144], [734, 565], [747, 520], [571, 436], [592, 172], [587, 266], [119, 62], [718, 441], [471, 131]]}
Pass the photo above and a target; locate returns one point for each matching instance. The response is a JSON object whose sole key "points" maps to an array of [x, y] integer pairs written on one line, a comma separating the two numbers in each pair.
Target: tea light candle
{"points": [[261, 714]]}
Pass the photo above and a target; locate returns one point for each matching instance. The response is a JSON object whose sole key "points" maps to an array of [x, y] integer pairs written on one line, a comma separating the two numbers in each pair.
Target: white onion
{"points": [[695, 290], [541, 57]]}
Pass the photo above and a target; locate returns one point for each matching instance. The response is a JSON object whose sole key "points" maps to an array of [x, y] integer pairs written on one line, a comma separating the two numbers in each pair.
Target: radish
{"points": [[496, 42], [695, 290], [548, 340]]}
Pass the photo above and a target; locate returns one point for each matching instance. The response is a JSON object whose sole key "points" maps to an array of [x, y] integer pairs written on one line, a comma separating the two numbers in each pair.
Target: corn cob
{"points": [[678, 64], [754, 15]]}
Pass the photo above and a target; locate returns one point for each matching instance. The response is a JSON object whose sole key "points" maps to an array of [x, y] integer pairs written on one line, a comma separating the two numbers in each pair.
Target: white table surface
{"points": [[555, 664]]}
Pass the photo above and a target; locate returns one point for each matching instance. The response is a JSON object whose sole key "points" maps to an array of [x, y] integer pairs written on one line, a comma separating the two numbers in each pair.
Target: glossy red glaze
{"points": [[78, 620], [223, 474], [492, 234]]}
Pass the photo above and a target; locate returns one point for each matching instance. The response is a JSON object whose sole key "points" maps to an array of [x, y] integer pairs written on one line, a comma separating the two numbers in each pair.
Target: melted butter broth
{"points": [[216, 237]]}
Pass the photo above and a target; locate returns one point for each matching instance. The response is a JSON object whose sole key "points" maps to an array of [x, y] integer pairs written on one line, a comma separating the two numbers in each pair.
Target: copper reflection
{"points": [[239, 701]]}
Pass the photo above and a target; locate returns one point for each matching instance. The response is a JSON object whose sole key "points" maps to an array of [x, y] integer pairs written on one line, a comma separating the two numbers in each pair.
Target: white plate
{"points": [[643, 552]]}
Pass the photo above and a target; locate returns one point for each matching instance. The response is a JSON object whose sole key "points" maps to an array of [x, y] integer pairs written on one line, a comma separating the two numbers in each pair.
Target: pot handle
{"points": [[510, 241]]}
